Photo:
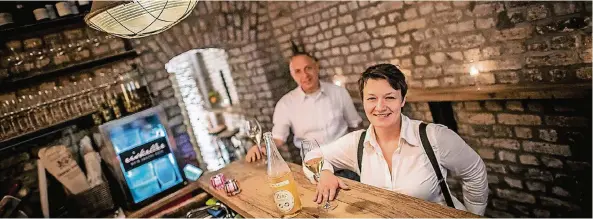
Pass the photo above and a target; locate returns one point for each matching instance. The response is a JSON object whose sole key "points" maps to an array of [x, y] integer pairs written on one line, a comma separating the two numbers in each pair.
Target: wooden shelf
{"points": [[42, 27], [25, 78], [501, 92]]}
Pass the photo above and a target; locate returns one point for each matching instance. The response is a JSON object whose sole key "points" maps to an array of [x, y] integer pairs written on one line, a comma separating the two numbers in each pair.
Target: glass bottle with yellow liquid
{"points": [[286, 195]]}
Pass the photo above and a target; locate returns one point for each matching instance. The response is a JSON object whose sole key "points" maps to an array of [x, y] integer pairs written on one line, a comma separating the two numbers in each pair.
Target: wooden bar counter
{"points": [[255, 199]]}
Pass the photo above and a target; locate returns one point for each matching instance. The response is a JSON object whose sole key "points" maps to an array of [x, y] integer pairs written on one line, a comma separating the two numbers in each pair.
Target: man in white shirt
{"points": [[314, 110]]}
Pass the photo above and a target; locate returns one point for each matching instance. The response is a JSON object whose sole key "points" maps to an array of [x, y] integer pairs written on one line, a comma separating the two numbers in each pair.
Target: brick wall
{"points": [[537, 154]]}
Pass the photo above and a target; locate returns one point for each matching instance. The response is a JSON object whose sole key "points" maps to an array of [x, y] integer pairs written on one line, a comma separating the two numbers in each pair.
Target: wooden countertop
{"points": [[255, 199]]}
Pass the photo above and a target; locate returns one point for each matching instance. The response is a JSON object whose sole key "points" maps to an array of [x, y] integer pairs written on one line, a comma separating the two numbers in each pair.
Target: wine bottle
{"points": [[280, 178]]}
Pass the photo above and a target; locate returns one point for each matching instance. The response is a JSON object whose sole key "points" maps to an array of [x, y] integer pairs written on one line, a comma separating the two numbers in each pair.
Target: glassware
{"points": [[253, 129], [56, 49], [15, 60], [313, 160]]}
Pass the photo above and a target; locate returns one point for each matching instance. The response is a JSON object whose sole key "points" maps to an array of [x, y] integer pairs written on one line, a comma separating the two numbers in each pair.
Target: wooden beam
{"points": [[501, 92]]}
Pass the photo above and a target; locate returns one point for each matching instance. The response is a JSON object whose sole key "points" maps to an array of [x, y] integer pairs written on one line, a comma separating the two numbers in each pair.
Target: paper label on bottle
{"points": [[280, 184], [5, 18], [284, 200]]}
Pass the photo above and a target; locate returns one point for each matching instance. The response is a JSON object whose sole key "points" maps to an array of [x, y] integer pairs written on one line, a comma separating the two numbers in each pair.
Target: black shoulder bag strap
{"points": [[359, 151], [435, 165]]}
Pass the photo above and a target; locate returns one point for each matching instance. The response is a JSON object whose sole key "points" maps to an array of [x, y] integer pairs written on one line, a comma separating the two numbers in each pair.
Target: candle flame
{"points": [[473, 71]]}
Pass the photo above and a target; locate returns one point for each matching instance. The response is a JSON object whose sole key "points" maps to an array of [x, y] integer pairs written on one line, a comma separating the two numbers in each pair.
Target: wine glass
{"points": [[254, 131], [313, 160]]}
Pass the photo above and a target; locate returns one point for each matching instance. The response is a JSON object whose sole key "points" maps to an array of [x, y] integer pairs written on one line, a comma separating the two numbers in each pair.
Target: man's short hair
{"points": [[389, 72], [303, 54]]}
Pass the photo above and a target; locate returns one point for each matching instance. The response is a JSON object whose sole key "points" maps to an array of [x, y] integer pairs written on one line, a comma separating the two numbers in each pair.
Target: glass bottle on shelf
{"points": [[64, 9], [74, 8], [113, 102], [6, 19], [51, 10], [40, 12]]}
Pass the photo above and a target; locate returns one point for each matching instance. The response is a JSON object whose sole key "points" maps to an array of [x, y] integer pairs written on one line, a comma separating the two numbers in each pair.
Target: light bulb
{"points": [[473, 71], [338, 82]]}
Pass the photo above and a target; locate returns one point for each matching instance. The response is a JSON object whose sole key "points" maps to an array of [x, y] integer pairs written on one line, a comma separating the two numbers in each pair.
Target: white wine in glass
{"points": [[313, 160], [254, 131]]}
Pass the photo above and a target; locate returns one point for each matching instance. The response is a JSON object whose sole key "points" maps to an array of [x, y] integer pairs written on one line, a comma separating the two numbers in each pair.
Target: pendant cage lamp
{"points": [[138, 18]]}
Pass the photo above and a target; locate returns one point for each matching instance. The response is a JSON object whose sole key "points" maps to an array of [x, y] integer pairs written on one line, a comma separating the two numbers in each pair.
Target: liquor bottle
{"points": [[39, 11], [74, 8], [51, 10], [64, 9], [84, 6], [112, 100], [281, 180], [6, 20]]}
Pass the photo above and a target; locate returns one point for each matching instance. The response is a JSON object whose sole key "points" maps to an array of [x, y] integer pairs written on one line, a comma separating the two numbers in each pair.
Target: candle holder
{"points": [[217, 181], [231, 187]]}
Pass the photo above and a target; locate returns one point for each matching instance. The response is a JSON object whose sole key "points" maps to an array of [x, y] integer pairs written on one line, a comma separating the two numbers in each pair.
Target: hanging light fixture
{"points": [[137, 18]]}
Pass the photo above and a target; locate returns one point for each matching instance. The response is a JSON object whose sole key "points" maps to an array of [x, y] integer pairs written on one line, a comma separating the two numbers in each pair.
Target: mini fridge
{"points": [[140, 150]]}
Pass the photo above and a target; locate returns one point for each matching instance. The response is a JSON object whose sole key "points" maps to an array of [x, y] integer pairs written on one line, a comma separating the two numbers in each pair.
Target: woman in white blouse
{"points": [[393, 156]]}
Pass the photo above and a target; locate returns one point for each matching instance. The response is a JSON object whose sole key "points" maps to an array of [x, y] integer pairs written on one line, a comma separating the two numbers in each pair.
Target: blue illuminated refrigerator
{"points": [[140, 149]]}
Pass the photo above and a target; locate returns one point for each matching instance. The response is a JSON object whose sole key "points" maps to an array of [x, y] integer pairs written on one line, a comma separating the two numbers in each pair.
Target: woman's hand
{"points": [[254, 154], [327, 187]]}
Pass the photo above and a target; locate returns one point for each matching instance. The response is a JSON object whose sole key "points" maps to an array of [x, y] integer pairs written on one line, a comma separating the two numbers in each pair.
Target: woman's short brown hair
{"points": [[389, 72]]}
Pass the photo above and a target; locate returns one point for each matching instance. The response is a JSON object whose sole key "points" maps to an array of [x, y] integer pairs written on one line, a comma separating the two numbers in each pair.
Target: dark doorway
{"points": [[442, 113]]}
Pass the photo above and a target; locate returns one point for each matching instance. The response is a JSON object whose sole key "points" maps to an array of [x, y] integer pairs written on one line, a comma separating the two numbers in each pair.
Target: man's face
{"points": [[305, 72]]}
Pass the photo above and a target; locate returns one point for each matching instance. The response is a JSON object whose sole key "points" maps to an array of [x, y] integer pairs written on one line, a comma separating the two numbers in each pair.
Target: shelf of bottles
{"points": [[21, 16], [104, 97]]}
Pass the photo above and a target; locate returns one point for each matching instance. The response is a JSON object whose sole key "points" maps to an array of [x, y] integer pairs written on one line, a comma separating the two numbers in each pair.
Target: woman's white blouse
{"points": [[413, 174]]}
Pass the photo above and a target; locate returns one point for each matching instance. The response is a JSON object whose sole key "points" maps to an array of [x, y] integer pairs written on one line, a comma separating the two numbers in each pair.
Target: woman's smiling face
{"points": [[382, 103]]}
